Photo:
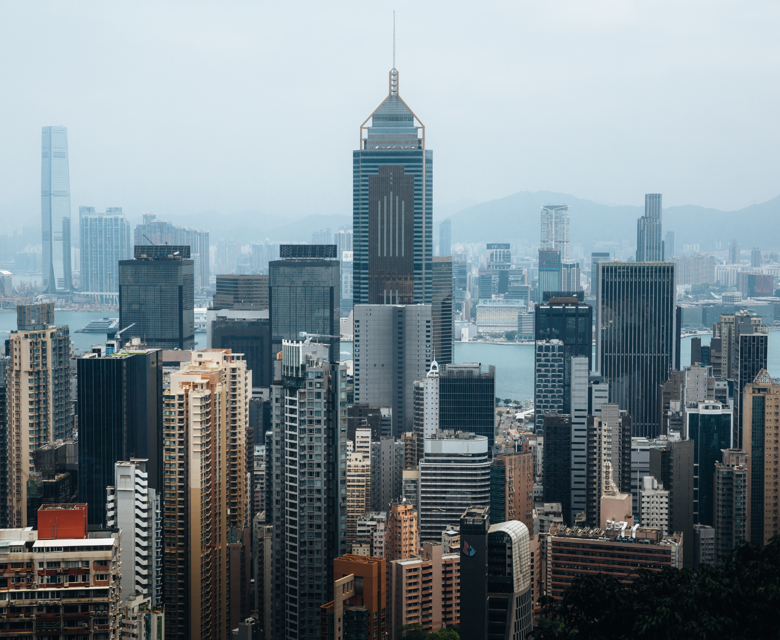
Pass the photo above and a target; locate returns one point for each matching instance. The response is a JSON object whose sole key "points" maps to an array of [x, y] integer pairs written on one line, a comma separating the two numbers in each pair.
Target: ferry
{"points": [[101, 325]]}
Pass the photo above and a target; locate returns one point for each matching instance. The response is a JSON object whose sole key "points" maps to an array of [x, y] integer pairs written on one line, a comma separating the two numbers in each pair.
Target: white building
{"points": [[372, 526], [141, 620], [426, 408], [133, 507], [654, 505], [555, 229], [454, 475], [498, 315]]}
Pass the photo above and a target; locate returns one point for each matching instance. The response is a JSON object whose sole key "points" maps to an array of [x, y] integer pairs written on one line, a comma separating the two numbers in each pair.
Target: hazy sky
{"points": [[234, 106]]}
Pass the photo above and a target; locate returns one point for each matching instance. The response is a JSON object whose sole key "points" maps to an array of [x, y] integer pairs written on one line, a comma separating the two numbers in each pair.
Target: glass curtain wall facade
{"points": [[441, 313], [55, 210], [549, 272], [119, 417], [637, 337], [467, 400], [305, 294], [392, 207], [157, 297]]}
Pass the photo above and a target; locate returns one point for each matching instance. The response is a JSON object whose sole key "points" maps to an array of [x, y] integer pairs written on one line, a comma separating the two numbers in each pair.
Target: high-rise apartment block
{"points": [[104, 240], [637, 337], [358, 491], [709, 426], [392, 207], [426, 409], [359, 606], [387, 466], [308, 485], [467, 400], [343, 240], [441, 311], [402, 536], [133, 507], [305, 295], [454, 474], [732, 502], [761, 431], [157, 297], [392, 349], [445, 237], [555, 229], [38, 402], [654, 505], [347, 282], [63, 576], [512, 488], [425, 589], [205, 491], [120, 417], [649, 242], [157, 232], [55, 211]]}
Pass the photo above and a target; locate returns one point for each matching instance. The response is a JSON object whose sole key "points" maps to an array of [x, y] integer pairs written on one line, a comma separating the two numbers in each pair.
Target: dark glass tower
{"points": [[304, 295], [119, 417], [751, 344], [441, 313], [392, 207], [250, 336], [549, 272], [157, 297], [467, 400], [557, 461], [637, 337], [649, 243]]}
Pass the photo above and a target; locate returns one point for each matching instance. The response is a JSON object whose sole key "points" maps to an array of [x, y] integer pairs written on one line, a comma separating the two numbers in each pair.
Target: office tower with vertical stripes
{"points": [[637, 337], [55, 210], [392, 206], [555, 229], [649, 243]]}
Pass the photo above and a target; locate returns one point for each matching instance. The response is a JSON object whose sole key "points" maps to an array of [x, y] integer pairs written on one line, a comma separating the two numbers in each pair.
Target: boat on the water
{"points": [[101, 325]]}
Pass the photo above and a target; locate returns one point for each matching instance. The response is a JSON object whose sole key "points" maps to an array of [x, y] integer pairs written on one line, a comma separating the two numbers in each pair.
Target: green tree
{"points": [[510, 335], [741, 599]]}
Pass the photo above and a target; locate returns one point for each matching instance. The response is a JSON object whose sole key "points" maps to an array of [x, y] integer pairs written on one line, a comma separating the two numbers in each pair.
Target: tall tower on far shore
{"points": [[649, 243], [55, 210]]}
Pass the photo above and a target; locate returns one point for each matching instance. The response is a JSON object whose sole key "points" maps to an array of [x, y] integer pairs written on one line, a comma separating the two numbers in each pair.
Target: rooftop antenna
{"points": [[393, 38], [394, 71]]}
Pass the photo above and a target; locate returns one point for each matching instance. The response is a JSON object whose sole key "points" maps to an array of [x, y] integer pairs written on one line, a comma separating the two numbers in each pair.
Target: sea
{"points": [[514, 362]]}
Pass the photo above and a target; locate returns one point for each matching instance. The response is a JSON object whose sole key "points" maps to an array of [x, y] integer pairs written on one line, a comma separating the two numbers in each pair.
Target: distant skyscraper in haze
{"points": [[55, 210], [157, 297], [649, 246], [445, 237], [637, 337], [104, 241], [343, 240], [735, 252], [669, 244], [555, 229], [392, 207], [323, 236], [595, 258], [441, 311], [549, 272]]}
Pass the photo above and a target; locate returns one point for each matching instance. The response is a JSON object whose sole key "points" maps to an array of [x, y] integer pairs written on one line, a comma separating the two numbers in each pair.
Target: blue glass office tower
{"points": [[55, 210], [392, 206]]}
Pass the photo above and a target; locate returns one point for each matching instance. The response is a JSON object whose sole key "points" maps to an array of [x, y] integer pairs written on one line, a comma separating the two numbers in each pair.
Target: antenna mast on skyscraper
{"points": [[393, 38], [393, 71]]}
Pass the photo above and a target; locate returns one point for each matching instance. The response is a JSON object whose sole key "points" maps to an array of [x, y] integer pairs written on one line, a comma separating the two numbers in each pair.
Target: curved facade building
{"points": [[509, 582]]}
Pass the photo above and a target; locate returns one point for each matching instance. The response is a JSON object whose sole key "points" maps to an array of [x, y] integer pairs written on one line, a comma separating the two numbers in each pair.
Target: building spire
{"points": [[393, 71]]}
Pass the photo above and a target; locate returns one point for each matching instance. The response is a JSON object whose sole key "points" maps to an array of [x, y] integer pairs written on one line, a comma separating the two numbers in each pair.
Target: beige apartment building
{"points": [[205, 493], [38, 401], [402, 537], [358, 490]]}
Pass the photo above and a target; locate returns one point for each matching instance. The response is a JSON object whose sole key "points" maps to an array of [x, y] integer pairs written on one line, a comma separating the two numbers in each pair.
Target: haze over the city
{"points": [[184, 108]]}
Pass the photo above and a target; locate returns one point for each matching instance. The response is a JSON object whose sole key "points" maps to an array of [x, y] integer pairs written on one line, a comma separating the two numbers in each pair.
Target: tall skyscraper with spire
{"points": [[649, 245], [55, 210], [392, 206]]}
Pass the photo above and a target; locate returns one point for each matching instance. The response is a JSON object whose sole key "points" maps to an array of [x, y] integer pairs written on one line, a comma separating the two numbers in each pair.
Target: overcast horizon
{"points": [[202, 107]]}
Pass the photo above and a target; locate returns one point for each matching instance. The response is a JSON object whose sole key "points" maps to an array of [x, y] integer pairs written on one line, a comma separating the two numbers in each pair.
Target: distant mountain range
{"points": [[516, 219]]}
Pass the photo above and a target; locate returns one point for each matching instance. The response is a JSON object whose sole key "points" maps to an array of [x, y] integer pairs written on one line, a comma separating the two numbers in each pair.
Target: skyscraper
{"points": [[649, 244], [393, 348], [307, 541], [735, 252], [732, 500], [555, 229], [512, 487], [157, 232], [441, 311], [55, 210], [467, 400], [637, 337], [549, 272], [38, 402], [750, 357], [549, 376], [557, 461], [445, 238], [669, 244], [426, 409], [120, 417], [595, 258], [392, 206], [104, 241], [761, 431], [246, 292], [204, 492], [305, 293], [157, 297]]}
